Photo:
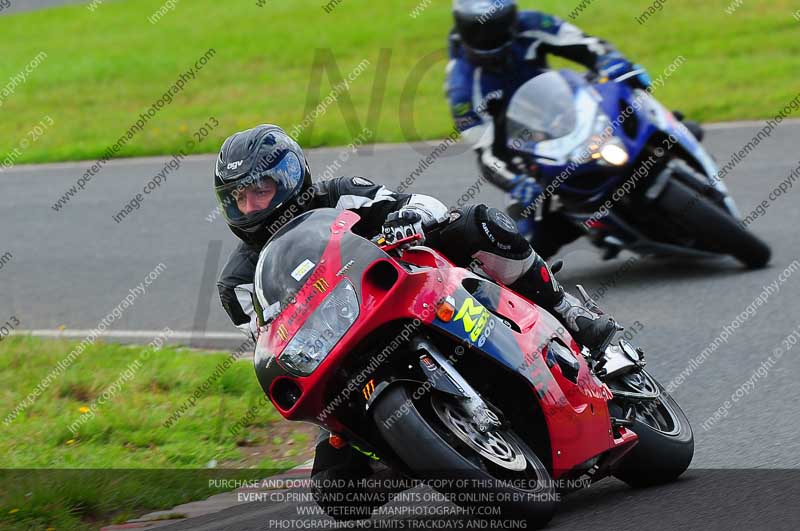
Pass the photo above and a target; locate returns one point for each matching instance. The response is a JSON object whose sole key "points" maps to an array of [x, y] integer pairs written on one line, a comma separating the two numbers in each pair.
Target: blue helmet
{"points": [[486, 29]]}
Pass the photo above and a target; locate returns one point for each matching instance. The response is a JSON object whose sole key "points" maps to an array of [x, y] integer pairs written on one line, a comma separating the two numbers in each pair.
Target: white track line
{"points": [[745, 124]]}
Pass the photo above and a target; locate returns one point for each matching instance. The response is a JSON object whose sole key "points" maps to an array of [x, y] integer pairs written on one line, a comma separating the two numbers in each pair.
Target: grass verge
{"points": [[105, 67], [125, 461]]}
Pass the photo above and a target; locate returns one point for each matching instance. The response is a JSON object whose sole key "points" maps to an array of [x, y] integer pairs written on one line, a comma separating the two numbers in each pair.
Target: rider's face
{"points": [[256, 197]]}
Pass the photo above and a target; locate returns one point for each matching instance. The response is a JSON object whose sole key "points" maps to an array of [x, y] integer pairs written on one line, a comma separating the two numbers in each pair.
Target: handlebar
{"points": [[428, 228], [387, 247]]}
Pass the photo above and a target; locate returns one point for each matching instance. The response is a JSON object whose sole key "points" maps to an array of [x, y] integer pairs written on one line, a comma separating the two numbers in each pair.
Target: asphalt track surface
{"points": [[72, 267], [18, 6], [708, 499]]}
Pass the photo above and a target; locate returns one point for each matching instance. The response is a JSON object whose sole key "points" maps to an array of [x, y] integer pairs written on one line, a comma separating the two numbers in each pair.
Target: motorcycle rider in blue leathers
{"points": [[494, 49]]}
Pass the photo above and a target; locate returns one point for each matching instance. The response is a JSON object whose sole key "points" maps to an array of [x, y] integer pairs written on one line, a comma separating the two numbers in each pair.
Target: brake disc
{"points": [[491, 445], [640, 385]]}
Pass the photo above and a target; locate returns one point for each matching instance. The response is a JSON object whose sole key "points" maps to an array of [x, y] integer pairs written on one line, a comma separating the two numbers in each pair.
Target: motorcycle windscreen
{"points": [[291, 258], [541, 109]]}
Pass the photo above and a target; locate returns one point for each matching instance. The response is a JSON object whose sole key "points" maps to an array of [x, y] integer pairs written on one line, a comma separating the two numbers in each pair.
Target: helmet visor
{"points": [[256, 196]]}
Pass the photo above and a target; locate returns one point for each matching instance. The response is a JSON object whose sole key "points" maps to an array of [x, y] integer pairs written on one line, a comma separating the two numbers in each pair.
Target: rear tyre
{"points": [[429, 436], [713, 228], [666, 442]]}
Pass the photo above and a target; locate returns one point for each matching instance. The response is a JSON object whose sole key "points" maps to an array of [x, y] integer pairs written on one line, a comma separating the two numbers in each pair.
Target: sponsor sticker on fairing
{"points": [[302, 270]]}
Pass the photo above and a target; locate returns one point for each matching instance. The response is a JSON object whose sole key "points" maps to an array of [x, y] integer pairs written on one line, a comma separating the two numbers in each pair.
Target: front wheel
{"points": [[666, 442], [438, 441], [711, 228]]}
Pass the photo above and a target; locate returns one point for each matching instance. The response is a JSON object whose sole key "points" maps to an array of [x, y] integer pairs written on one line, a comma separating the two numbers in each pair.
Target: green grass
{"points": [[153, 467], [104, 68]]}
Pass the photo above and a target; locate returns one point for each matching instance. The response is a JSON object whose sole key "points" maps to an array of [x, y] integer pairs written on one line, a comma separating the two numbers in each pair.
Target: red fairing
{"points": [[413, 296], [576, 414]]}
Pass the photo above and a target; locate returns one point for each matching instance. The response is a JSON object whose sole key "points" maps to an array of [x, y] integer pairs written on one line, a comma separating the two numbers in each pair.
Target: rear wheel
{"points": [[712, 228], [666, 442], [436, 439]]}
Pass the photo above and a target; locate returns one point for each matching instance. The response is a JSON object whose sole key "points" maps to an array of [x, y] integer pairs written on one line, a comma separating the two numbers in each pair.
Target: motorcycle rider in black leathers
{"points": [[494, 49], [262, 180]]}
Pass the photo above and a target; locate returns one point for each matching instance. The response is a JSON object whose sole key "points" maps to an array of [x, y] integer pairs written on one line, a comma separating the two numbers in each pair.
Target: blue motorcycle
{"points": [[623, 169]]}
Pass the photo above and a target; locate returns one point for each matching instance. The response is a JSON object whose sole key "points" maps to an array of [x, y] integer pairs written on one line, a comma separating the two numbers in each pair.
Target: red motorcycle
{"points": [[449, 377]]}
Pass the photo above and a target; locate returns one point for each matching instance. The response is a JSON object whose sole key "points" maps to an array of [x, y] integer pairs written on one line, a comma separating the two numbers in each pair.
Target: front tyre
{"points": [[712, 228], [495, 469], [666, 442]]}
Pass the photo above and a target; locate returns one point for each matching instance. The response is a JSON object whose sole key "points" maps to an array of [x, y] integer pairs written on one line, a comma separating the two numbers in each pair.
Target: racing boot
{"points": [[586, 322]]}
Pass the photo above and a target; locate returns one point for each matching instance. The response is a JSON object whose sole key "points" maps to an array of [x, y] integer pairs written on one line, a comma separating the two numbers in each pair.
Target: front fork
{"points": [[444, 377]]}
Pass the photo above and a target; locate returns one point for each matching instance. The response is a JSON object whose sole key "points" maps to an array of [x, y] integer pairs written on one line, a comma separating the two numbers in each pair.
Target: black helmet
{"points": [[259, 173], [486, 28]]}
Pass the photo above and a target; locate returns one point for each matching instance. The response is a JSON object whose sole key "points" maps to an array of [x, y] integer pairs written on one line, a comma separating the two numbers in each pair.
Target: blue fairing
{"points": [[495, 339], [649, 118]]}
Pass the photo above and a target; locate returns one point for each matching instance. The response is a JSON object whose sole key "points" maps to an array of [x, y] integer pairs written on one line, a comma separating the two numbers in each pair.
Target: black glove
{"points": [[402, 224]]}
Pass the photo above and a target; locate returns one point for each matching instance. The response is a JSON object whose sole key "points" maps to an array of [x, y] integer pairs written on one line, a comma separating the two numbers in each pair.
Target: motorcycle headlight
{"points": [[601, 146], [614, 154], [322, 331], [590, 149]]}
